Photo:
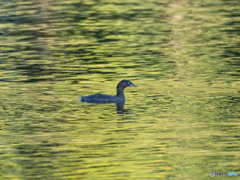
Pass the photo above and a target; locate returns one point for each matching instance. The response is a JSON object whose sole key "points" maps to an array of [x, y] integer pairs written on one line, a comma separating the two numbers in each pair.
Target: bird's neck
{"points": [[120, 91]]}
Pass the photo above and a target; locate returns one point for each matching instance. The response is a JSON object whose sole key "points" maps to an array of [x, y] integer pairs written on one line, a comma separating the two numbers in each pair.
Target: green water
{"points": [[181, 122]]}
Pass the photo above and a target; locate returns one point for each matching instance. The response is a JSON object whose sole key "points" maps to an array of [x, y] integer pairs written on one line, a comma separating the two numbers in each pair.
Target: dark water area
{"points": [[181, 122]]}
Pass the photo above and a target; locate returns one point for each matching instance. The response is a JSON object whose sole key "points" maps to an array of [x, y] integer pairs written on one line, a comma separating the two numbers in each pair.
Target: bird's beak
{"points": [[134, 85]]}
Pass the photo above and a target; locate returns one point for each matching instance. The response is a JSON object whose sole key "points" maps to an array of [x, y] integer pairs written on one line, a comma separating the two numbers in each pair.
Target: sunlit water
{"points": [[181, 122]]}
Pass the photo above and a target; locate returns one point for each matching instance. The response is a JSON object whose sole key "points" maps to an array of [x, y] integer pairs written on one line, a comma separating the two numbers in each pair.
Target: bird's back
{"points": [[102, 98]]}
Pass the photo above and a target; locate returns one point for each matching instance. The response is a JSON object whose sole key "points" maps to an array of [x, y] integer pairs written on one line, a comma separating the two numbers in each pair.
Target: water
{"points": [[181, 122]]}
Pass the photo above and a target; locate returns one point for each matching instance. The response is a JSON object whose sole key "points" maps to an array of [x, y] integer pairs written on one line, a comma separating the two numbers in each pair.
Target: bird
{"points": [[104, 98]]}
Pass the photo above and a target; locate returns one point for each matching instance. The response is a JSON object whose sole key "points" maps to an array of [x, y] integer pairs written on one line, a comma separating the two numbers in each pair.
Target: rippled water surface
{"points": [[181, 122]]}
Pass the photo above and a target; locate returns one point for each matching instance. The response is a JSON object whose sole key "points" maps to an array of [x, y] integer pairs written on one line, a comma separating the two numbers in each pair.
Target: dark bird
{"points": [[104, 98]]}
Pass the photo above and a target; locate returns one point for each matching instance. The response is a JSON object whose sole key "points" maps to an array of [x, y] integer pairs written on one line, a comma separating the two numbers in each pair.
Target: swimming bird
{"points": [[104, 98]]}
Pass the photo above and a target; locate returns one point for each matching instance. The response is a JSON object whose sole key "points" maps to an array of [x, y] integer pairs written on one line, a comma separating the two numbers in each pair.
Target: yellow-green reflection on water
{"points": [[181, 122]]}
